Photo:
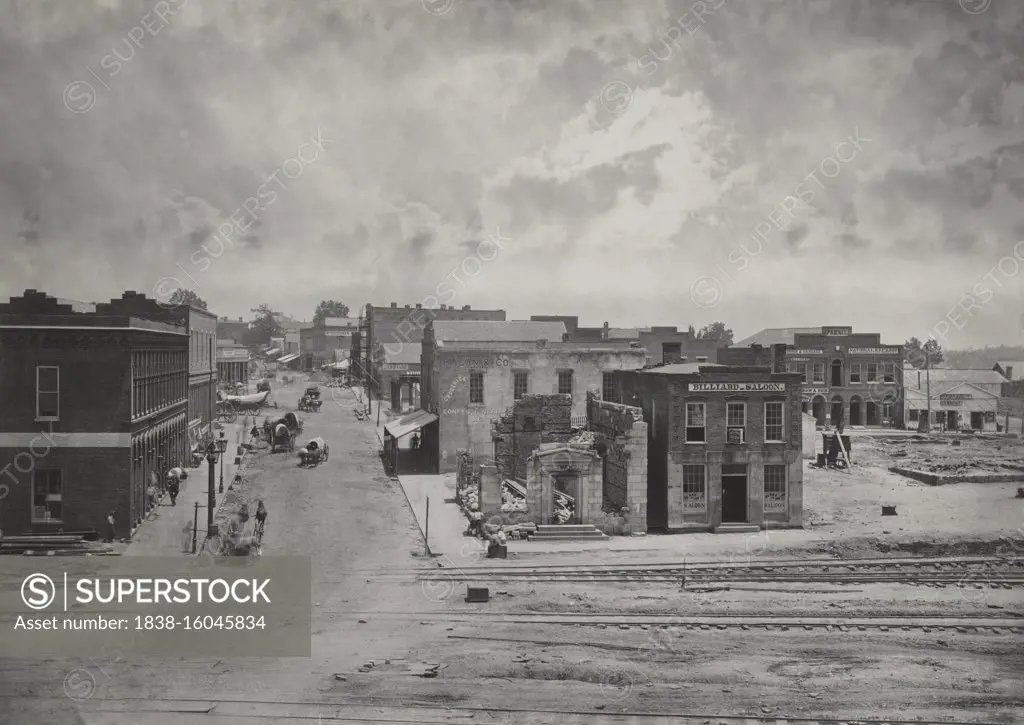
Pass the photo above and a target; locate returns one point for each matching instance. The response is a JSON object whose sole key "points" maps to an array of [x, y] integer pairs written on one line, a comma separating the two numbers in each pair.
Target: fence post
{"points": [[426, 529]]}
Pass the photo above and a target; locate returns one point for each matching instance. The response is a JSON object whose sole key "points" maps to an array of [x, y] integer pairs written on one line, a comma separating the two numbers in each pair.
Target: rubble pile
{"points": [[584, 438], [565, 506], [513, 496]]}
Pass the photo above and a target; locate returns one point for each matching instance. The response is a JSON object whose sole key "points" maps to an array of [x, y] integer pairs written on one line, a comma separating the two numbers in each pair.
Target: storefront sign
{"points": [[396, 367], [798, 359], [737, 387], [956, 396], [814, 391], [874, 351], [951, 402], [806, 352], [836, 331]]}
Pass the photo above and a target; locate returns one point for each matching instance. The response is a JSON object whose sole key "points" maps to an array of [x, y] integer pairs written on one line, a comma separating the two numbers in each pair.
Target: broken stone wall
{"points": [[623, 436], [534, 420]]}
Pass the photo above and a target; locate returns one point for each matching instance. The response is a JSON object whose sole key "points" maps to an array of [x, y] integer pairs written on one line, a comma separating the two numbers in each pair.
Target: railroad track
{"points": [[393, 711], [977, 572], [626, 621]]}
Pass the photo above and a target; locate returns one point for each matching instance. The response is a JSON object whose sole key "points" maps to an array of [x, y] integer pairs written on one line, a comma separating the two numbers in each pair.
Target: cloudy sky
{"points": [[626, 155]]}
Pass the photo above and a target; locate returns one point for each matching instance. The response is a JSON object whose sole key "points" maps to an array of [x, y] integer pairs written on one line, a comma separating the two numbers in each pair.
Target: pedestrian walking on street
{"points": [[110, 528], [151, 492], [172, 489]]}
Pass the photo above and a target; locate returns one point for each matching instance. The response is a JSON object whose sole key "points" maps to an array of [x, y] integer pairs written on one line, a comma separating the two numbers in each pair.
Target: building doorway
{"points": [[871, 413], [837, 374], [855, 411], [953, 420], [818, 409], [977, 421], [565, 490], [734, 494], [837, 410]]}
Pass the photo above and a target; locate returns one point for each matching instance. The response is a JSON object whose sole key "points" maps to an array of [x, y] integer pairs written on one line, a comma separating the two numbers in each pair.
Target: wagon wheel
{"points": [[327, 452]]}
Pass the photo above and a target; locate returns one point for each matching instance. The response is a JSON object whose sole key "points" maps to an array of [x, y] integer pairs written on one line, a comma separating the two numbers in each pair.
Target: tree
{"points": [[182, 296], [716, 331], [264, 325], [918, 354], [329, 308]]}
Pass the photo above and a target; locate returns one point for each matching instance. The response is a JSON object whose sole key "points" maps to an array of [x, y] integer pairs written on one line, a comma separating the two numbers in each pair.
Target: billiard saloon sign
{"points": [[737, 387]]}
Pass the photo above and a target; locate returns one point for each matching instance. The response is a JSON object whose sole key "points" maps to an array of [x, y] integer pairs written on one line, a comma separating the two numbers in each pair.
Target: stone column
{"points": [[636, 476], [490, 491], [755, 488], [713, 472], [534, 489]]}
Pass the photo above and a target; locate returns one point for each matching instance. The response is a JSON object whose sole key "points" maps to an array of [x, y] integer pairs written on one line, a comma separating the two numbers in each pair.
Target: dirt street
{"points": [[356, 526]]}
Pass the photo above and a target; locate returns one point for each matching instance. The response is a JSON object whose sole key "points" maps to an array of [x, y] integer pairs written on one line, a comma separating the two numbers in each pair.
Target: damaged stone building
{"points": [[473, 372]]}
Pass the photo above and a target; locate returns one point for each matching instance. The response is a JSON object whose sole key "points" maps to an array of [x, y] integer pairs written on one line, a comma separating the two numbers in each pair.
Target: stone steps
{"points": [[737, 529], [569, 532]]}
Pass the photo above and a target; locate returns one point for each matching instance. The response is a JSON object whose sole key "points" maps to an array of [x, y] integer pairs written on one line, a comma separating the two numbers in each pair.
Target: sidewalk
{"points": [[162, 533], [447, 522]]}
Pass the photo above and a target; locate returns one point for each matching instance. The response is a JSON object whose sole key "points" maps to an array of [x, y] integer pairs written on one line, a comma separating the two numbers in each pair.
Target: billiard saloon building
{"points": [[724, 446], [850, 377]]}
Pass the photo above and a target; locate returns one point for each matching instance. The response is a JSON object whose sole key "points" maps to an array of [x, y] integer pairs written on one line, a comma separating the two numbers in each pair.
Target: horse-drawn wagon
{"points": [[314, 453], [230, 406], [281, 432], [310, 400]]}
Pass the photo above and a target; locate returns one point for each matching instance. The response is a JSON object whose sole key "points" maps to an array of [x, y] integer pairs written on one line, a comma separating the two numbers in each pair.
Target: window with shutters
{"points": [[476, 387], [608, 387], [520, 382]]}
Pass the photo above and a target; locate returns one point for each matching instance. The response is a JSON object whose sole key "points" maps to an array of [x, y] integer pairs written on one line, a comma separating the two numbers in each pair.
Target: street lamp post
{"points": [[211, 499], [222, 446]]}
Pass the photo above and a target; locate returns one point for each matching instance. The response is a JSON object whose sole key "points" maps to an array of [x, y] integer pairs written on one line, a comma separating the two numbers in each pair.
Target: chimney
{"points": [[240, 319], [604, 331], [395, 304], [465, 307], [407, 307], [419, 306], [778, 357], [1009, 372]]}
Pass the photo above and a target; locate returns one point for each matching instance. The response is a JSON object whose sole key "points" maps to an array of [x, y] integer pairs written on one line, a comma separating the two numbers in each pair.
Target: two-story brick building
{"points": [[473, 372], [319, 346], [664, 344], [394, 326], [95, 407], [849, 377], [724, 445], [235, 330]]}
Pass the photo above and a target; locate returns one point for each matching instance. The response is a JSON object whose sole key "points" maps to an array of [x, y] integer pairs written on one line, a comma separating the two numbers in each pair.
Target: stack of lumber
{"points": [[53, 545]]}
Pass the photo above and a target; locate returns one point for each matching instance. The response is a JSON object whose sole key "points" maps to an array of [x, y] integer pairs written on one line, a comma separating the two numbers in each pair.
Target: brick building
{"points": [[724, 446], [400, 374], [849, 377], [394, 326], [95, 405], [472, 372], [235, 330], [664, 344], [331, 343], [232, 363], [202, 375]]}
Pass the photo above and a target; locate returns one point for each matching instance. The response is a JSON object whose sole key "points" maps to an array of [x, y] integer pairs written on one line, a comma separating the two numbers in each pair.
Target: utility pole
{"points": [[928, 387]]}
